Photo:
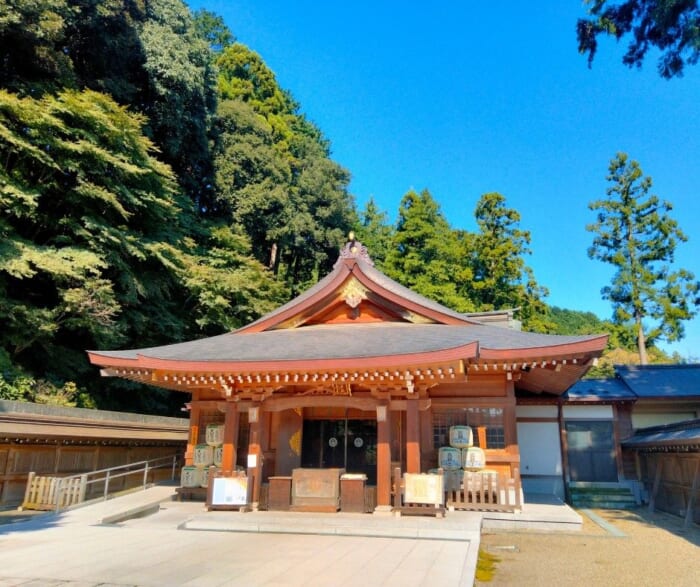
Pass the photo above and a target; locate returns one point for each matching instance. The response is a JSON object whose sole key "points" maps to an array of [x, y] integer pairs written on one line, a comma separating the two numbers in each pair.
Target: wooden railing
{"points": [[468, 490], [56, 493], [486, 491]]}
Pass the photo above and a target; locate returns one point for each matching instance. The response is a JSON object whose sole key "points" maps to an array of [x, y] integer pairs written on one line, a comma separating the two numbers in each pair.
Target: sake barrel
{"points": [[206, 473], [214, 434], [449, 458], [452, 479], [203, 455], [218, 455], [473, 458], [190, 476], [461, 436]]}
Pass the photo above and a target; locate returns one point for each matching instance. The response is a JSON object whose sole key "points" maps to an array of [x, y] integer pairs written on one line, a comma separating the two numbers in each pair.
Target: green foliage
{"points": [[501, 278], [426, 253], [274, 175], [671, 26], [634, 233], [227, 287], [90, 224], [375, 232], [212, 28]]}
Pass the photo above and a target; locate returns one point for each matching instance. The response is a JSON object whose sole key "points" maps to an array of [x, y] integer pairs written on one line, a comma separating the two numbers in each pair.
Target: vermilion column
{"points": [[383, 458], [412, 436], [194, 432], [255, 419], [228, 458]]}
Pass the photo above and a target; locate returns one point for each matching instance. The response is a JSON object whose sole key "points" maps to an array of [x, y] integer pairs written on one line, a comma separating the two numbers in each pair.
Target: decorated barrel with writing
{"points": [[449, 458], [206, 475], [473, 458], [461, 436], [191, 476], [218, 455], [203, 455], [214, 434]]}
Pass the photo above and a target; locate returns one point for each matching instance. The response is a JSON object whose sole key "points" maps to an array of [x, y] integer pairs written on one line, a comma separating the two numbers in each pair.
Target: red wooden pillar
{"points": [[383, 458], [255, 453], [412, 436], [228, 458], [194, 432]]}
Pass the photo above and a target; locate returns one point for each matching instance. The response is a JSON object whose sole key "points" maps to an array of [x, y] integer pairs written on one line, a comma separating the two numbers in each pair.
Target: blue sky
{"points": [[465, 98]]}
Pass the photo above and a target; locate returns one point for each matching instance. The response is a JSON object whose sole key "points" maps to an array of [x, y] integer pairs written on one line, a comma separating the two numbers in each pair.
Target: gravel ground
{"points": [[655, 550]]}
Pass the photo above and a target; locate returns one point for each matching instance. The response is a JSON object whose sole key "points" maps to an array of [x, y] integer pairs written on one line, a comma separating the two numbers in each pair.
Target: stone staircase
{"points": [[602, 496]]}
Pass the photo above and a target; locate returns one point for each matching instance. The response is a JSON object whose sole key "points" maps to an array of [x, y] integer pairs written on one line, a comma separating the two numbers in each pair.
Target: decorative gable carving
{"points": [[353, 293]]}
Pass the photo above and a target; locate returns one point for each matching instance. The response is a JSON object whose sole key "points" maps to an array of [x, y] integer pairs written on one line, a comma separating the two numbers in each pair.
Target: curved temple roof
{"points": [[357, 317]]}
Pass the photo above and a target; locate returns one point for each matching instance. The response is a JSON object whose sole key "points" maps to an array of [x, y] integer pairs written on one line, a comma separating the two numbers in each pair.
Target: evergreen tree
{"points": [[672, 26], [375, 232], [501, 279], [634, 233], [425, 255]]}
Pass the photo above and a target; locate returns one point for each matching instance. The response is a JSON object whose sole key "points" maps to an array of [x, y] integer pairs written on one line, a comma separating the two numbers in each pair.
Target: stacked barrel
{"points": [[461, 455], [205, 455]]}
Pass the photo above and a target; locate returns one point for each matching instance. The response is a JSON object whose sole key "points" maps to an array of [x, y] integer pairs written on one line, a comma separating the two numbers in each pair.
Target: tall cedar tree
{"points": [[671, 26], [426, 253], [635, 234], [501, 277], [375, 232]]}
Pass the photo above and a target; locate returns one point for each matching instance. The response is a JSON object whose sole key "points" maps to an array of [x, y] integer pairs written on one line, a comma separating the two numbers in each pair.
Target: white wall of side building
{"points": [[540, 450]]}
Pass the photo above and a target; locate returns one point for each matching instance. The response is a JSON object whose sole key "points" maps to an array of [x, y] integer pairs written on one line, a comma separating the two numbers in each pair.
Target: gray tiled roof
{"points": [[677, 434], [377, 277], [347, 341], [599, 390], [661, 381]]}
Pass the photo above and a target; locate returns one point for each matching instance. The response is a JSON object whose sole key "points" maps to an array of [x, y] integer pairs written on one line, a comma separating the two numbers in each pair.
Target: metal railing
{"points": [[55, 493]]}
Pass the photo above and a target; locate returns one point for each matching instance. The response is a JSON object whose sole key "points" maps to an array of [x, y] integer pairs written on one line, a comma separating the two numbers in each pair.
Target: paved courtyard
{"points": [[74, 550]]}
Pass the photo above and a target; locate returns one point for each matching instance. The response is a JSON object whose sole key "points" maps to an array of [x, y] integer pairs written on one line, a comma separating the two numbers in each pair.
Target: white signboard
{"points": [[229, 491], [421, 488]]}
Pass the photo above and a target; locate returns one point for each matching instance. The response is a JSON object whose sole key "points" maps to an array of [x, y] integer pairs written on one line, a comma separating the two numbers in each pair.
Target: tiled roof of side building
{"points": [[685, 434], [600, 390], [661, 381], [348, 341]]}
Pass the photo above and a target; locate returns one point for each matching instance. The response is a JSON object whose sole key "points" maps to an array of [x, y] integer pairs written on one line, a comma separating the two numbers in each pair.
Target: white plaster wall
{"points": [[536, 411], [644, 420], [588, 412], [540, 458], [539, 444]]}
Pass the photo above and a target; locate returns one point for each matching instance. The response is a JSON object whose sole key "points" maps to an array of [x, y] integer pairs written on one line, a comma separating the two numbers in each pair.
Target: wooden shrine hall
{"points": [[359, 374]]}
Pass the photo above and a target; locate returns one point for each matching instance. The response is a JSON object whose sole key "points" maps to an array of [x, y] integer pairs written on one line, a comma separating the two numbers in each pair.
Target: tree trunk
{"points": [[641, 343], [273, 265]]}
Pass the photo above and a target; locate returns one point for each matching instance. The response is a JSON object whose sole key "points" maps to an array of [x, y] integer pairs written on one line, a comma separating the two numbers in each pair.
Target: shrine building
{"points": [[360, 374]]}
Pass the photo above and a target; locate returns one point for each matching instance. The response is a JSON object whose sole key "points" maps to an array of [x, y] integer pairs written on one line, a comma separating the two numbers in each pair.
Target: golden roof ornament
{"points": [[354, 249]]}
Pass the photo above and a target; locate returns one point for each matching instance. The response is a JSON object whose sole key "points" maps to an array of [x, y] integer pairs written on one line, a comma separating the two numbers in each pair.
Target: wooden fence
{"points": [[485, 491], [466, 490], [50, 493], [56, 493]]}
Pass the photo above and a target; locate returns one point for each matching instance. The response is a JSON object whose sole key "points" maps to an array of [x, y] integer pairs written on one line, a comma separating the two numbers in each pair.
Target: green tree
{"points": [[634, 233], [274, 173], [671, 26], [375, 232], [425, 255], [89, 225], [501, 279]]}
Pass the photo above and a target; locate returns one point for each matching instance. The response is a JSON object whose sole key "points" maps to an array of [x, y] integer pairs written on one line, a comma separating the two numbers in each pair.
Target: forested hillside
{"points": [[157, 184]]}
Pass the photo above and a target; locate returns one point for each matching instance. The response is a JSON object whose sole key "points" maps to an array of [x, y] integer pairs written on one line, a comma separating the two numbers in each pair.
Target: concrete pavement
{"points": [[77, 548]]}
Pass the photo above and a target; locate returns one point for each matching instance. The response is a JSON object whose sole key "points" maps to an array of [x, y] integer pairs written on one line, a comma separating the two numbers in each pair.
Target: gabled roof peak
{"points": [[354, 249]]}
